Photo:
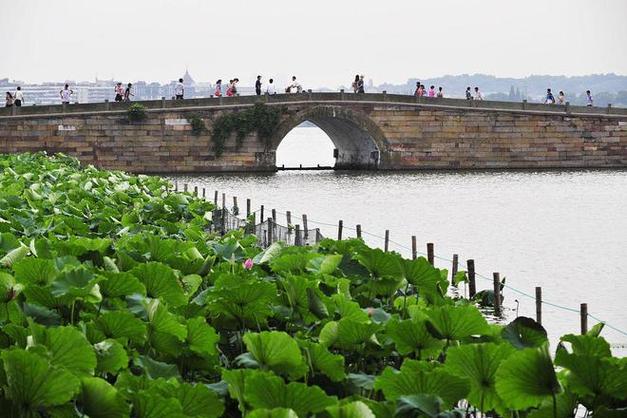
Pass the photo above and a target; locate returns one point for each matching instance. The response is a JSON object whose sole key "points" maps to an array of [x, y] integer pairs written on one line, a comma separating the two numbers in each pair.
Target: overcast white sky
{"points": [[323, 42]]}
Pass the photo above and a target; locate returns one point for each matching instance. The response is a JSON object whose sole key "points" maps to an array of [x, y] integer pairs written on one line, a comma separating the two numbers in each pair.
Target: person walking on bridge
{"points": [[360, 85], [468, 94], [478, 95], [218, 91], [355, 84], [549, 97], [561, 99], [432, 91], [18, 97], [179, 90], [270, 90], [66, 93], [417, 88], [589, 101], [127, 92], [119, 92], [440, 93], [258, 86], [8, 99]]}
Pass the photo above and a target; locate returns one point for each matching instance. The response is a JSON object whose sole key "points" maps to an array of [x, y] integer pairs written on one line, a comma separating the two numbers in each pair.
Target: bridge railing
{"points": [[312, 96]]}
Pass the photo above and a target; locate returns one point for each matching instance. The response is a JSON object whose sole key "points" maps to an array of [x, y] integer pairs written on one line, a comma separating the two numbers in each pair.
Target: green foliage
{"points": [[117, 301], [136, 112], [261, 119], [198, 125]]}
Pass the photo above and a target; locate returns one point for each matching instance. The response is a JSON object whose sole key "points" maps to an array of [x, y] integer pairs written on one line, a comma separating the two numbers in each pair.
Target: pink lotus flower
{"points": [[248, 264]]}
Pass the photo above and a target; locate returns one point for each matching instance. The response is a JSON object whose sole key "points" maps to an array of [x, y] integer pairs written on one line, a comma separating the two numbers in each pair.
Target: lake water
{"points": [[563, 230]]}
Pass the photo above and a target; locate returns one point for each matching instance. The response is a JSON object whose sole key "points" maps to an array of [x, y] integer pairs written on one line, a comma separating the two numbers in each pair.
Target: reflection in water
{"points": [[563, 230]]}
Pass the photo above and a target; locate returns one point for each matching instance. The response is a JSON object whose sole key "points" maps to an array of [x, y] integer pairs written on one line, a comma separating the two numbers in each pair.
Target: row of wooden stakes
{"points": [[470, 263]]}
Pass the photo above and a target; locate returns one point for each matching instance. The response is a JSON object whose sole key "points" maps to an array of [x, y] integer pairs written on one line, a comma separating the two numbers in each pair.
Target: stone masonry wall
{"points": [[461, 139], [414, 137]]}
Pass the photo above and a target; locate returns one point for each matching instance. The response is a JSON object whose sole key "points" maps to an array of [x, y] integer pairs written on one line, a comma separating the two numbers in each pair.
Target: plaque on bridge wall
{"points": [[66, 128], [176, 122]]}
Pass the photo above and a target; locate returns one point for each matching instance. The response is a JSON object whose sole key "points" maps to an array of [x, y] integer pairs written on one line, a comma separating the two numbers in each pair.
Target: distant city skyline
{"points": [[323, 43]]}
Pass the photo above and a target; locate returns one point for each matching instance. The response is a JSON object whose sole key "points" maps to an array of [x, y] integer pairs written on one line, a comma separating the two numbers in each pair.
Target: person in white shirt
{"points": [[18, 97], [295, 87], [478, 95], [179, 90], [65, 94], [270, 90]]}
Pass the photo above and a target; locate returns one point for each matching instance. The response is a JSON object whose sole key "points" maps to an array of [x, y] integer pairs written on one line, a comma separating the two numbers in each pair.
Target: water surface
{"points": [[565, 231]]}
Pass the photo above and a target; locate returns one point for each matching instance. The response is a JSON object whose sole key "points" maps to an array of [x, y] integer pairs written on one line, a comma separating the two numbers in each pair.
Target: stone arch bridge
{"points": [[370, 131]]}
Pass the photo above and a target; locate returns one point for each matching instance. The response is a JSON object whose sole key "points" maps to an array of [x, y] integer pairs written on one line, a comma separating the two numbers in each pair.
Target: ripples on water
{"points": [[563, 230]]}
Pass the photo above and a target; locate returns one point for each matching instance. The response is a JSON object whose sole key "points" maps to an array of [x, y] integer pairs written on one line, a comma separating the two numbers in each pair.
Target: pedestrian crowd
{"points": [[124, 94]]}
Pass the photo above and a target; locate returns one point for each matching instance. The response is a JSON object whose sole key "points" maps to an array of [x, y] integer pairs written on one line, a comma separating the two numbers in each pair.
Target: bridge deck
{"points": [[322, 98]]}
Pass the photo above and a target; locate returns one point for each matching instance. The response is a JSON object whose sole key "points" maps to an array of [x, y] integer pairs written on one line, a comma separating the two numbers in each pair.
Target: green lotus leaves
{"points": [[456, 322], [269, 392], [412, 336], [235, 302], [111, 356], [417, 377], [479, 363], [35, 271], [524, 332], [527, 378], [276, 351], [357, 409], [121, 284], [68, 348], [160, 282], [31, 382], [101, 400], [119, 299], [320, 359], [120, 324]]}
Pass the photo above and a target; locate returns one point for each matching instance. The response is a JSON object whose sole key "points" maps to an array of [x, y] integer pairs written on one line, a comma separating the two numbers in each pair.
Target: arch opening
{"points": [[306, 146], [357, 141]]}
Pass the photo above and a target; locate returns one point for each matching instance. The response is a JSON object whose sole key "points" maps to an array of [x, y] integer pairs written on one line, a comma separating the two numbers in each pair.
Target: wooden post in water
{"points": [[235, 203], [297, 240], [288, 215], [176, 186], [269, 231], [185, 187], [472, 288], [496, 281], [358, 228], [414, 250], [274, 215], [247, 208], [305, 228], [215, 198], [583, 311], [340, 226], [195, 190], [386, 244], [204, 193], [317, 235], [223, 200], [454, 268], [261, 214], [539, 305], [430, 255]]}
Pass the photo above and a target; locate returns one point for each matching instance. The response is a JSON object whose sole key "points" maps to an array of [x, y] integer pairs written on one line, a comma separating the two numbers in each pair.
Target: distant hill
{"points": [[605, 88]]}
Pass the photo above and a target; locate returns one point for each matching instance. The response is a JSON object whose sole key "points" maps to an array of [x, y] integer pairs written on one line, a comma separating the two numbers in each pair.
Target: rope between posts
{"points": [[513, 289]]}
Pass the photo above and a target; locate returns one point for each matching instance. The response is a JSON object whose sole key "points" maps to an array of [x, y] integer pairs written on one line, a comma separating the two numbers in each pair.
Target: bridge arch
{"points": [[359, 141]]}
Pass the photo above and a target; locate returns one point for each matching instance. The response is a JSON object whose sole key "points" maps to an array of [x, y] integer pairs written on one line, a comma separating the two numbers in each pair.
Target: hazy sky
{"points": [[323, 42]]}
